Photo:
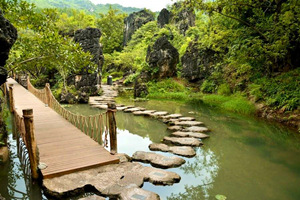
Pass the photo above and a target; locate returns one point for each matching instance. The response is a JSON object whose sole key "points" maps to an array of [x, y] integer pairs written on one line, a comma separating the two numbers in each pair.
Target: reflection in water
{"points": [[15, 181], [244, 158], [205, 168]]}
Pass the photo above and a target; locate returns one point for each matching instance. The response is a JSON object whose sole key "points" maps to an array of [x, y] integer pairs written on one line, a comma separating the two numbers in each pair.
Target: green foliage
{"points": [[76, 20], [85, 5], [281, 92], [39, 48], [234, 103], [111, 26], [130, 79], [224, 89], [167, 89], [208, 86]]}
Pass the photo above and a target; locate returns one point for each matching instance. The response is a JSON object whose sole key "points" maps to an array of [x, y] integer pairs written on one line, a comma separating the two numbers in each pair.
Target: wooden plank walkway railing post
{"points": [[112, 127], [11, 98], [48, 95], [30, 142]]}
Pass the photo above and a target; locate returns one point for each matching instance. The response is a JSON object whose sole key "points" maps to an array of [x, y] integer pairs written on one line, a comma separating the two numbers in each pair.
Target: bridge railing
{"points": [[25, 126], [93, 126]]}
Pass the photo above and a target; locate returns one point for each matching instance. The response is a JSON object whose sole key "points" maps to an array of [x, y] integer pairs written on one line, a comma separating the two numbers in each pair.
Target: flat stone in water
{"points": [[175, 128], [190, 134], [138, 194], [158, 114], [183, 141], [157, 160], [185, 151], [188, 123], [121, 108], [172, 116], [93, 197], [196, 129], [118, 178], [131, 110], [187, 119]]}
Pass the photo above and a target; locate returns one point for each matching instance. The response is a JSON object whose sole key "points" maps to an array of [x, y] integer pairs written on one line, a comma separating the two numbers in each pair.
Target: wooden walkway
{"points": [[62, 146]]}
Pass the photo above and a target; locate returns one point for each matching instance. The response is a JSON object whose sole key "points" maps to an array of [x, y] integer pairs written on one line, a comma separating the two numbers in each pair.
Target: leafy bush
{"points": [[224, 89], [130, 79], [208, 86]]}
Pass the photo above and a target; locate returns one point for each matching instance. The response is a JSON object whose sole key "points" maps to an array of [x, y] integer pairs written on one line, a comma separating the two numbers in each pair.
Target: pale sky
{"points": [[154, 5]]}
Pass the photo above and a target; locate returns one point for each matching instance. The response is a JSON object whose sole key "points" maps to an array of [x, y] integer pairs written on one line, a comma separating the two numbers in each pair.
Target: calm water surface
{"points": [[245, 158]]}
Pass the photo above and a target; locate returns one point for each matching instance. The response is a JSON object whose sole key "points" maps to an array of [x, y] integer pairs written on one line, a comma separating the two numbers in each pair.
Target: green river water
{"points": [[244, 159]]}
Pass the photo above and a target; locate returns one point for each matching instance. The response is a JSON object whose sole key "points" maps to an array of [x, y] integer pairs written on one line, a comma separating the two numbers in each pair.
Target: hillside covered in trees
{"points": [[85, 5], [241, 56]]}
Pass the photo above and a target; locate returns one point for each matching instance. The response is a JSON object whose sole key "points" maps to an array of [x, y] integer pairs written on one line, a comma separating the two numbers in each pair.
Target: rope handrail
{"points": [[93, 125]]}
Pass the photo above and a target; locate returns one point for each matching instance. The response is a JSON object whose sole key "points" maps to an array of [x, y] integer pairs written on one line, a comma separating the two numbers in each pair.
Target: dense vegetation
{"points": [[255, 47], [85, 5]]}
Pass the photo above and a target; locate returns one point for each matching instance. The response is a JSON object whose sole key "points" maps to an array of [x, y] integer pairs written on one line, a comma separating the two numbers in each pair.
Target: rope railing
{"points": [[93, 125]]}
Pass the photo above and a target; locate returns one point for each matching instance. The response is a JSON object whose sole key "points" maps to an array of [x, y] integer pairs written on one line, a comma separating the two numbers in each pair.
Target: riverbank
{"points": [[241, 103]]}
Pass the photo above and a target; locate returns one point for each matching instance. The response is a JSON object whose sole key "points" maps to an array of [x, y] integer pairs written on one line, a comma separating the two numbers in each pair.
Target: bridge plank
{"points": [[62, 146]]}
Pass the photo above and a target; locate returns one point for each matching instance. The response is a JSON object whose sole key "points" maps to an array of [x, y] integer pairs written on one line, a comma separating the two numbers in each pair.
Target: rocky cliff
{"points": [[133, 22], [8, 36]]}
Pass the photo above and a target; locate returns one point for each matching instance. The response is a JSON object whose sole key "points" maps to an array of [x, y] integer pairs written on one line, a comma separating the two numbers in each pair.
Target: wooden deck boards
{"points": [[62, 147]]}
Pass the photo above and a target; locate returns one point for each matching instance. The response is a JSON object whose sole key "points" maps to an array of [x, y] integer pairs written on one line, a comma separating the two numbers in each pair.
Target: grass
{"points": [[172, 89], [233, 103]]}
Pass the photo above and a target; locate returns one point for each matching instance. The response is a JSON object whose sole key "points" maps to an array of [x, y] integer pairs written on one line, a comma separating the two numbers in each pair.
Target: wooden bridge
{"points": [[59, 140]]}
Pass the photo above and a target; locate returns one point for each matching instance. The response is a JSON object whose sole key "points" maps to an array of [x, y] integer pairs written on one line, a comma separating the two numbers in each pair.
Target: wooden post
{"points": [[11, 98], [112, 128], [48, 95], [31, 143]]}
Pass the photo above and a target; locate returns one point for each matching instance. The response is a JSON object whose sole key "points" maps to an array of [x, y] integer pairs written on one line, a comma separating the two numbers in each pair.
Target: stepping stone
{"points": [[187, 119], [157, 160], [188, 123], [138, 194], [120, 105], [131, 110], [170, 121], [121, 108], [175, 128], [148, 112], [185, 141], [196, 129], [138, 113], [185, 151], [93, 197], [141, 109], [190, 134], [157, 114], [174, 116]]}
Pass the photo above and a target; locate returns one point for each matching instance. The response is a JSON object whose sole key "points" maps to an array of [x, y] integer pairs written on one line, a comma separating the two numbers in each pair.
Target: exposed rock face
{"points": [[140, 87], [184, 19], [134, 21], [163, 18], [196, 63], [89, 40], [162, 59], [8, 36]]}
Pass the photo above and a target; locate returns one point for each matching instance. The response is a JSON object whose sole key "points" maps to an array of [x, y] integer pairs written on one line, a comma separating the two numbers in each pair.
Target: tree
{"points": [[111, 26]]}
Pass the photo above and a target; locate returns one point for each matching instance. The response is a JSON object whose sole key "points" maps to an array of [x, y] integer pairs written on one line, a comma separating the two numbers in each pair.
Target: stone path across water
{"points": [[184, 141], [115, 181], [190, 134], [185, 151], [158, 160], [186, 132]]}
